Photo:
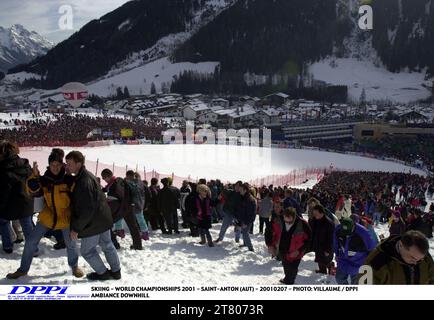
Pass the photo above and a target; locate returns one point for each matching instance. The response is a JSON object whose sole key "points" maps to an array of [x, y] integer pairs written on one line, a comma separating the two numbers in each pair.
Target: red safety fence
{"points": [[294, 178]]}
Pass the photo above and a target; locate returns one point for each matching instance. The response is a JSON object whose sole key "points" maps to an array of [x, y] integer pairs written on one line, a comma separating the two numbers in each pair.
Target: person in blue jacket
{"points": [[352, 245]]}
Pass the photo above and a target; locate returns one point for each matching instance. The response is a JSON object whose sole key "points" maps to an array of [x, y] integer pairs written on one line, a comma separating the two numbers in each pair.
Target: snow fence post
{"points": [[96, 168]]}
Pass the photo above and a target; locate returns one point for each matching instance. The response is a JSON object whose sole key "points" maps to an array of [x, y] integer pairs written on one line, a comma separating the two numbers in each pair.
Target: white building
{"points": [[270, 116], [191, 112], [244, 115], [320, 131]]}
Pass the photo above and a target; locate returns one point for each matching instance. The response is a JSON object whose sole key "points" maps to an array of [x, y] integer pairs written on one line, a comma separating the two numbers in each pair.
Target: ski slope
{"points": [[227, 163]]}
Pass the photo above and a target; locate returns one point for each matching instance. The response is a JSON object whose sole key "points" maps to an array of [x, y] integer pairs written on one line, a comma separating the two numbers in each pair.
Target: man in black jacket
{"points": [[168, 203], [155, 217], [177, 193], [120, 204], [421, 224], [15, 202], [322, 238], [91, 220]]}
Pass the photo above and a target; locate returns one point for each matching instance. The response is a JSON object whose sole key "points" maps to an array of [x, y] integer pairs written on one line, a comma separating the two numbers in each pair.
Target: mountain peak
{"points": [[19, 27], [19, 45]]}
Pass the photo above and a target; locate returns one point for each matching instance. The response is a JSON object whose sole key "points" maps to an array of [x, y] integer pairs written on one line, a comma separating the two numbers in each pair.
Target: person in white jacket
{"points": [[346, 213]]}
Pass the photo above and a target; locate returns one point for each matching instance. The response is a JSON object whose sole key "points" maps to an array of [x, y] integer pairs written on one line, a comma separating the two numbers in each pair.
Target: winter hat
{"points": [[56, 155], [397, 214], [347, 225]]}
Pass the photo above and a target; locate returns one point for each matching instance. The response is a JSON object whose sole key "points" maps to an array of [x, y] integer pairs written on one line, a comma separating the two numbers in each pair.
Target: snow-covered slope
{"points": [[140, 69], [378, 83], [18, 45], [164, 47], [356, 63], [356, 60], [143, 68], [220, 161], [139, 80]]}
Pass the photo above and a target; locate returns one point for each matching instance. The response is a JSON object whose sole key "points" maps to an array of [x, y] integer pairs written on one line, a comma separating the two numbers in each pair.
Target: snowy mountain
{"points": [[137, 32], [388, 63], [271, 45], [18, 46], [250, 47]]}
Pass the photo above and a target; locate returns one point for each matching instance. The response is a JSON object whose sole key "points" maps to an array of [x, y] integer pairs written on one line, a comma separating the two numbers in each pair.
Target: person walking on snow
{"points": [[290, 239], [245, 214], [91, 220]]}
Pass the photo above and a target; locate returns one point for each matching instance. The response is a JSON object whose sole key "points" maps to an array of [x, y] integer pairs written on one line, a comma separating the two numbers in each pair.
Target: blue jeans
{"points": [[237, 231], [220, 213], [377, 217], [5, 232], [141, 221], [246, 235], [91, 255], [342, 277], [251, 226], [27, 226], [32, 242], [228, 220]]}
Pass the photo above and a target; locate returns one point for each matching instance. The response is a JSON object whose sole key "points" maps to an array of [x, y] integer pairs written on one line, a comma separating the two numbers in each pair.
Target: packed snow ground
{"points": [[175, 260]]}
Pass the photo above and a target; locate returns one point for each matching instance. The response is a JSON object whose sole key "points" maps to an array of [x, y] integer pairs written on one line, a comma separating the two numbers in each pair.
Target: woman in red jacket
{"points": [[291, 239]]}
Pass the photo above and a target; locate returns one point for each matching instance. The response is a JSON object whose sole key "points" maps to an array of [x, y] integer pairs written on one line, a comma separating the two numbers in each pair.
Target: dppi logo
{"points": [[35, 290]]}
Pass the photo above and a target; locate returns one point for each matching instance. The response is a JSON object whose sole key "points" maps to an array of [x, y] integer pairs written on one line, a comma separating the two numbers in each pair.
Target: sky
{"points": [[43, 16]]}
